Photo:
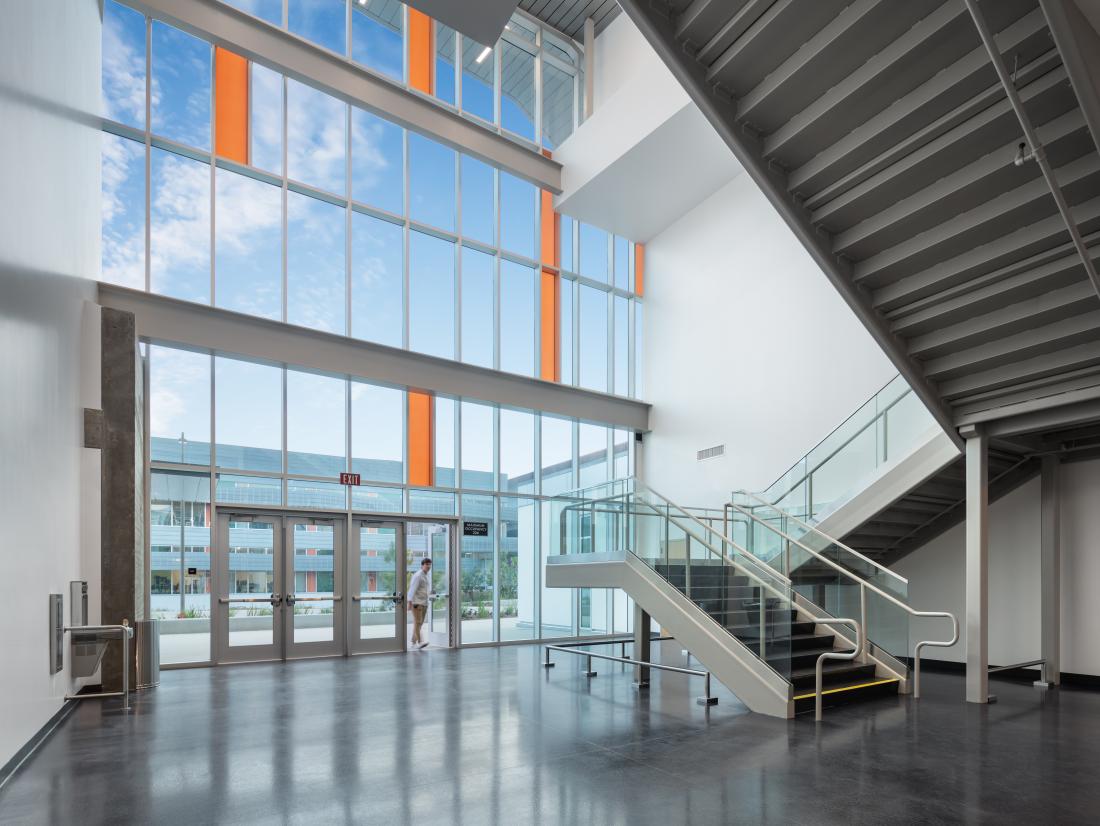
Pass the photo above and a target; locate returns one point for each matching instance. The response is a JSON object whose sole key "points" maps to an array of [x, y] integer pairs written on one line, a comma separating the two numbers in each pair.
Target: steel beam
{"points": [[1015, 318], [738, 31], [787, 74], [1006, 251], [223, 25], [1050, 567], [930, 205], [886, 132], [772, 182], [904, 258], [1012, 374], [209, 328], [977, 567], [1036, 341], [1032, 277], [912, 42], [1033, 142], [1071, 36], [1050, 413]]}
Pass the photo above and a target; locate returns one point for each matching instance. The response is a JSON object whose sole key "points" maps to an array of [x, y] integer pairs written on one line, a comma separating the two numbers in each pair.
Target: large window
{"points": [[431, 295], [512, 461], [249, 415], [248, 263], [377, 280], [517, 318], [343, 221], [315, 269], [478, 303]]}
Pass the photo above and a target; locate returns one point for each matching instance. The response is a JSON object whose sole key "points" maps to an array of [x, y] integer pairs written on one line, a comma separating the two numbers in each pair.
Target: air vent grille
{"points": [[711, 452]]}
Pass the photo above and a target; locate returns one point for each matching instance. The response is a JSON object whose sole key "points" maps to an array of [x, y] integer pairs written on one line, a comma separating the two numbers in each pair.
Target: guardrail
{"points": [[707, 699]]}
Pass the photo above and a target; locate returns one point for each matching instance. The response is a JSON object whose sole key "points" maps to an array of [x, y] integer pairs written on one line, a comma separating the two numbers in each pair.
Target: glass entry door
{"points": [[314, 588], [377, 615], [279, 582], [432, 540]]}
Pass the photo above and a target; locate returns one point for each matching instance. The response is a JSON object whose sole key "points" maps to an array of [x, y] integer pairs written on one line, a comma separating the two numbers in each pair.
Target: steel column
{"points": [[1050, 542], [642, 646], [977, 566]]}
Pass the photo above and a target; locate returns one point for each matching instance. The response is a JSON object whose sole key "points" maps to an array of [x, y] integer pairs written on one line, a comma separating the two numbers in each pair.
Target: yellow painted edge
{"points": [[848, 688]]}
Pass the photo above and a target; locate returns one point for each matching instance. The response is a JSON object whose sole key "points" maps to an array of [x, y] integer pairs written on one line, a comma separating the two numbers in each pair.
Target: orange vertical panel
{"points": [[420, 51], [231, 105], [551, 230], [639, 269], [550, 327], [421, 464]]}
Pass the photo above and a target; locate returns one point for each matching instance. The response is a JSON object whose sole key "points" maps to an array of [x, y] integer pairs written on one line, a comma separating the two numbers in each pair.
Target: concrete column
{"points": [[977, 566], [1050, 545], [122, 523], [642, 642]]}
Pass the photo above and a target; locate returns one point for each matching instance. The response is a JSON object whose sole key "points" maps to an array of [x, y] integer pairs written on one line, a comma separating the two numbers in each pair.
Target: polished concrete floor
{"points": [[485, 736]]}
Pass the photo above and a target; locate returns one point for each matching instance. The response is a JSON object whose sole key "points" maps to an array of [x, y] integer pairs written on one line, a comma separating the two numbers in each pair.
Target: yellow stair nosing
{"points": [[883, 681]]}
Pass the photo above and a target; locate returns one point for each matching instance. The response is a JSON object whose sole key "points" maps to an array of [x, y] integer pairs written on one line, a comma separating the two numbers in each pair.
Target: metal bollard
{"points": [[547, 664], [589, 672]]}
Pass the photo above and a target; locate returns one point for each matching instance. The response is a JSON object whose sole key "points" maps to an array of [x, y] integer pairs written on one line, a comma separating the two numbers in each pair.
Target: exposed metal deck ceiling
{"points": [[880, 131], [568, 16]]}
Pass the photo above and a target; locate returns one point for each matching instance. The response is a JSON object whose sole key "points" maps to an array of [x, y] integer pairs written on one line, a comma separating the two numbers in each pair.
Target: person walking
{"points": [[417, 600]]}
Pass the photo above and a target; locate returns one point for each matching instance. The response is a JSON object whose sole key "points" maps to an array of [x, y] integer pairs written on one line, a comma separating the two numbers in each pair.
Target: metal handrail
{"points": [[931, 644], [878, 415], [761, 566], [835, 655], [126, 633], [864, 585], [706, 700], [816, 530], [769, 572]]}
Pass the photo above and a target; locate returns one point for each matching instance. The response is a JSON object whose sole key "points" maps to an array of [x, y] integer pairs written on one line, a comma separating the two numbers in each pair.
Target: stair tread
{"points": [[853, 685], [830, 667]]}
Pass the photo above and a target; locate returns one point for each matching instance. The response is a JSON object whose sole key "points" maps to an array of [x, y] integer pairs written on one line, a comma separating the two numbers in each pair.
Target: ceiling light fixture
{"points": [[484, 54]]}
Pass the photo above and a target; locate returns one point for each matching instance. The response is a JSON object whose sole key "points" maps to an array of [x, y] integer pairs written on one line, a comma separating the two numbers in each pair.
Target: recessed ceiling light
{"points": [[484, 53]]}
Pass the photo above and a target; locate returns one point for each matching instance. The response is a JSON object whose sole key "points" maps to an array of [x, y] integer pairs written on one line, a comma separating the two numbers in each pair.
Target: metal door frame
{"points": [[282, 647], [223, 652], [356, 645], [325, 648]]}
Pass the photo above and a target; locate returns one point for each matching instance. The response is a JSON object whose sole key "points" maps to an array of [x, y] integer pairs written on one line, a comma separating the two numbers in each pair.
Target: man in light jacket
{"points": [[419, 587]]}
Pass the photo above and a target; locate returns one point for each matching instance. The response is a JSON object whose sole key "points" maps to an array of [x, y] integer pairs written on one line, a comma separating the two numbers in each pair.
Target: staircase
{"points": [[793, 640], [745, 620]]}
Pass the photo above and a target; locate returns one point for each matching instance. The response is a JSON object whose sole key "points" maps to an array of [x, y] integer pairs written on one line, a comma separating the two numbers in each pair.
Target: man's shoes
{"points": [[422, 645]]}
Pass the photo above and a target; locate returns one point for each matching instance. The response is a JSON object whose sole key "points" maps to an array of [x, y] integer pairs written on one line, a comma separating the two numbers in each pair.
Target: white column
{"points": [[977, 566], [589, 67], [1050, 565]]}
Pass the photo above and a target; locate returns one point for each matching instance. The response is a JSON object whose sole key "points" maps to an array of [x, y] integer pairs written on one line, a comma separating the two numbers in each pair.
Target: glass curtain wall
{"points": [[343, 221], [493, 84], [279, 436]]}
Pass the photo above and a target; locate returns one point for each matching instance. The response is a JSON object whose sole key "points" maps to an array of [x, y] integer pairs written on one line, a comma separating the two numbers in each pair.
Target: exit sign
{"points": [[349, 479]]}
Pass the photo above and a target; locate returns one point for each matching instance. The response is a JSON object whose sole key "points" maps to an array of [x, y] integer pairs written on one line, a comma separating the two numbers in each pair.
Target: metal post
{"points": [[642, 646], [763, 620], [707, 699], [1050, 571], [862, 643], [977, 566], [588, 667], [126, 666], [547, 664]]}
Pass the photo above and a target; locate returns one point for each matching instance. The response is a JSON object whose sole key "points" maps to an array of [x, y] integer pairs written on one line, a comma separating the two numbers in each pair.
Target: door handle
{"points": [[397, 598]]}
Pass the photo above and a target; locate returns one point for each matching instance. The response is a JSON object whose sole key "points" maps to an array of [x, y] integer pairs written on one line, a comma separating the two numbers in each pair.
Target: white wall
{"points": [[49, 247], [747, 345], [936, 574]]}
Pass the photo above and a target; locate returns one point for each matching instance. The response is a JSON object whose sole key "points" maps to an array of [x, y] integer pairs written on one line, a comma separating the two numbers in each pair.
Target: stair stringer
{"points": [[758, 686]]}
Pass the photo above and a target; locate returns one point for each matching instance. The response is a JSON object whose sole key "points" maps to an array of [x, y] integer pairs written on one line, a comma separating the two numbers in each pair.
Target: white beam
{"points": [[275, 48], [208, 328]]}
